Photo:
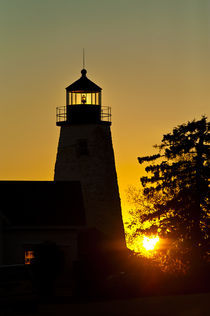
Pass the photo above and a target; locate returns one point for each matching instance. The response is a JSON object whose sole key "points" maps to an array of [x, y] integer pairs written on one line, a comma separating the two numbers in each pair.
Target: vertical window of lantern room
{"points": [[99, 98], [71, 102]]}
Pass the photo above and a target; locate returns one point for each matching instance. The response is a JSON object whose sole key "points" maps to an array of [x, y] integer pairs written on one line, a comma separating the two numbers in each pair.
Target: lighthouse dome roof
{"points": [[83, 84]]}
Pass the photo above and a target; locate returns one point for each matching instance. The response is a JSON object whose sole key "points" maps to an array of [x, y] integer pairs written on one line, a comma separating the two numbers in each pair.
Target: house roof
{"points": [[83, 85], [42, 203]]}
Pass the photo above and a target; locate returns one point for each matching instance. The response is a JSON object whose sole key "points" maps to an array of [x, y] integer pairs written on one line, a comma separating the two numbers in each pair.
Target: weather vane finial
{"points": [[83, 58]]}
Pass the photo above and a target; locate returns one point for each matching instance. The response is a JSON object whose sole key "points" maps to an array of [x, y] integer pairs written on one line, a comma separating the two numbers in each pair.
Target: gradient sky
{"points": [[151, 57]]}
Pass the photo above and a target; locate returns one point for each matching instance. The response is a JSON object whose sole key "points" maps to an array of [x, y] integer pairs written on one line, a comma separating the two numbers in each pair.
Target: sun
{"points": [[149, 243], [144, 245]]}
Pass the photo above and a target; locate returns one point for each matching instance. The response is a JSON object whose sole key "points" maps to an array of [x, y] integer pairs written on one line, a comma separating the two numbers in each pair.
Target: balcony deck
{"points": [[83, 114]]}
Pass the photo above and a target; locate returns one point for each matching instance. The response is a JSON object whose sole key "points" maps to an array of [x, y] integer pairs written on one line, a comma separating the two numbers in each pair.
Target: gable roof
{"points": [[42, 203]]}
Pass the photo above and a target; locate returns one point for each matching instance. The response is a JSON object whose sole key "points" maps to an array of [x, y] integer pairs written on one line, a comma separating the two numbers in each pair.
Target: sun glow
{"points": [[144, 245], [149, 243]]}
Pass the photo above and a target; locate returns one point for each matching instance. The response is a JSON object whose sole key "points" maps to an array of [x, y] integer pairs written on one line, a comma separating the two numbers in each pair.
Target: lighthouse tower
{"points": [[85, 154]]}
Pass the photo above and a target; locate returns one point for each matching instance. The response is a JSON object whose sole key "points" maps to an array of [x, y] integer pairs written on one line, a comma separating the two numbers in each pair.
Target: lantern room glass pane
{"points": [[93, 98], [84, 98], [97, 98]]}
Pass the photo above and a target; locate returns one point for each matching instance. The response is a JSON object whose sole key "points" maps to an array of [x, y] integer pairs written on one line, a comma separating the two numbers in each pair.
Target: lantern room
{"points": [[83, 91], [83, 104]]}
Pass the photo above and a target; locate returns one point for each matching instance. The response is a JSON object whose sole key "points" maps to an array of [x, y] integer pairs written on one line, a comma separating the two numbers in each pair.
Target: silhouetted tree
{"points": [[177, 182]]}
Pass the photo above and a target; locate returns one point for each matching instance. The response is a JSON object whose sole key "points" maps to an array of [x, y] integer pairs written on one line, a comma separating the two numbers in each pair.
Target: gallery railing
{"points": [[61, 114]]}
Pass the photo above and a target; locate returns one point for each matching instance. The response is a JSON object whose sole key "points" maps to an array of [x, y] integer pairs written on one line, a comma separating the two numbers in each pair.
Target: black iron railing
{"points": [[106, 114], [61, 114]]}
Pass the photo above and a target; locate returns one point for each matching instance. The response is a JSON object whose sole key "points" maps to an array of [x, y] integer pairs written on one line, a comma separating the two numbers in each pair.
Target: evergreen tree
{"points": [[178, 182]]}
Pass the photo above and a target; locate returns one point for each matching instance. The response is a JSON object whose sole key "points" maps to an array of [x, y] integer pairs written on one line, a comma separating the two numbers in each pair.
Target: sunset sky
{"points": [[151, 57]]}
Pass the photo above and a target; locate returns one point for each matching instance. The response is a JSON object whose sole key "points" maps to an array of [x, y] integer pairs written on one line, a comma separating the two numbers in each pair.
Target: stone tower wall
{"points": [[85, 154]]}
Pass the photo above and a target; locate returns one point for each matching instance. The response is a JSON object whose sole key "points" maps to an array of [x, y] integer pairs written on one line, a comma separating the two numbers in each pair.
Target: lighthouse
{"points": [[85, 154]]}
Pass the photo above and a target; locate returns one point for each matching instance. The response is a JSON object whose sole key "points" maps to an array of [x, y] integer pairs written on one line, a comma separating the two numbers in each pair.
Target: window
{"points": [[74, 98], [82, 147], [29, 256]]}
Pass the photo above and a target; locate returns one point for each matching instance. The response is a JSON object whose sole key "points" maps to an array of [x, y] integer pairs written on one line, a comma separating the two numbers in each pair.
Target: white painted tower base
{"points": [[85, 154]]}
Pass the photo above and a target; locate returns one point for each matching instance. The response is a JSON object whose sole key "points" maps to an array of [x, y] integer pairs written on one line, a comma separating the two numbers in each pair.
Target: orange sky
{"points": [[150, 57]]}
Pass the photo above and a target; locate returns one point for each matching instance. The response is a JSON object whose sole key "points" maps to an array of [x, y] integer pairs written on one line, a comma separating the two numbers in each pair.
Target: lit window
{"points": [[29, 256], [79, 98]]}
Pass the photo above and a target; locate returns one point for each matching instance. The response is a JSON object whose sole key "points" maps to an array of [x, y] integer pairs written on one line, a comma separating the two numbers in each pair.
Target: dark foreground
{"points": [[177, 305], [143, 290]]}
